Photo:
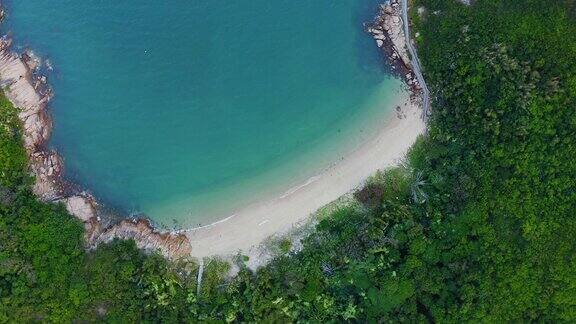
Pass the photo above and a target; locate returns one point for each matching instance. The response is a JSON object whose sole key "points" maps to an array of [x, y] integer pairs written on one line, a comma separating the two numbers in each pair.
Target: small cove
{"points": [[186, 111]]}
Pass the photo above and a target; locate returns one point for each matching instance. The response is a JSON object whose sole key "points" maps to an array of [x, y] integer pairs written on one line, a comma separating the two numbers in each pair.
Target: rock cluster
{"points": [[47, 168], [15, 78], [147, 238], [29, 92], [412, 81], [388, 32]]}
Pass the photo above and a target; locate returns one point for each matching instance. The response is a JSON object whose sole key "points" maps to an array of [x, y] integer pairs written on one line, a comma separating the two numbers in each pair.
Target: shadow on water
{"points": [[369, 58]]}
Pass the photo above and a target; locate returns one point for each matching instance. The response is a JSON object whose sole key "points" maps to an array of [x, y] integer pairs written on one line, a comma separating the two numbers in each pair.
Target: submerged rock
{"points": [[31, 59]]}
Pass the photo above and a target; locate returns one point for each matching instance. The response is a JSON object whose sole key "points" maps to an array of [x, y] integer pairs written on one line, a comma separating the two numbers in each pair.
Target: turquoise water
{"points": [[185, 110]]}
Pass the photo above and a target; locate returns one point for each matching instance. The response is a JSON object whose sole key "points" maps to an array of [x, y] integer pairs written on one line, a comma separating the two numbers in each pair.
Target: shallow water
{"points": [[187, 111]]}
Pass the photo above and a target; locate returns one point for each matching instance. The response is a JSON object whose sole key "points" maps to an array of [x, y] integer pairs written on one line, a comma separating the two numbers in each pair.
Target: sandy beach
{"points": [[247, 228]]}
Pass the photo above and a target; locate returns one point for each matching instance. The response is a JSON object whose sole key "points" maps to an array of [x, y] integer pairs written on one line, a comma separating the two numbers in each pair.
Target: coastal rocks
{"points": [[30, 94], [37, 128], [32, 60], [388, 25], [81, 206], [15, 80], [392, 35], [172, 245], [412, 81], [47, 168], [379, 36]]}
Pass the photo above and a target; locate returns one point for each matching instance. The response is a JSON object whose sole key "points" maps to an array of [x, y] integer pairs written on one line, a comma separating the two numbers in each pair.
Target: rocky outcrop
{"points": [[47, 168], [29, 92], [147, 238], [16, 80], [82, 206], [388, 32]]}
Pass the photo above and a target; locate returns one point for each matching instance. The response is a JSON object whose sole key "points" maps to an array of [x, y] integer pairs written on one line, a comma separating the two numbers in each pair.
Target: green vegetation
{"points": [[478, 225]]}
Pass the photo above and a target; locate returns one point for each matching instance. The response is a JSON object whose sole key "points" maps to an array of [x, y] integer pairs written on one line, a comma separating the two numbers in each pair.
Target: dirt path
{"points": [[415, 61]]}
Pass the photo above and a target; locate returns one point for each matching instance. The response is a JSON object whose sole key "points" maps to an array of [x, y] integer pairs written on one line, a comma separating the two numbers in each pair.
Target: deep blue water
{"points": [[186, 109]]}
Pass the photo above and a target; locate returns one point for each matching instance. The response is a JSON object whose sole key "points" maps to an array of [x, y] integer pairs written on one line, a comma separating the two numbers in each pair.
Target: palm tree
{"points": [[418, 194]]}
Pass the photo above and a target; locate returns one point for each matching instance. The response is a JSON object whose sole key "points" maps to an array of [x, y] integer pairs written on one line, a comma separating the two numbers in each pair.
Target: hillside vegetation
{"points": [[477, 225]]}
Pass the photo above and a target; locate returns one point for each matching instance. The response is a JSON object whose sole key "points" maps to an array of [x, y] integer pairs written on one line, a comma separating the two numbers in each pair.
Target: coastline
{"points": [[250, 226], [391, 32], [291, 173], [29, 92]]}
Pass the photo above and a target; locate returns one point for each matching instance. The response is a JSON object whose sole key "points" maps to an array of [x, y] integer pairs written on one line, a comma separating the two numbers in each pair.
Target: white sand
{"points": [[249, 227]]}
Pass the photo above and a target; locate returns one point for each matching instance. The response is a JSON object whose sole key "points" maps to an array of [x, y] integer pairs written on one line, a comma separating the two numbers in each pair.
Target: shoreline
{"points": [[29, 92], [249, 227], [286, 178]]}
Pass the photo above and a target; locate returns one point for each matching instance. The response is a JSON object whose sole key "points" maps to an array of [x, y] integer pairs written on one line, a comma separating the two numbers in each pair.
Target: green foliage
{"points": [[45, 273], [477, 226], [13, 163]]}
